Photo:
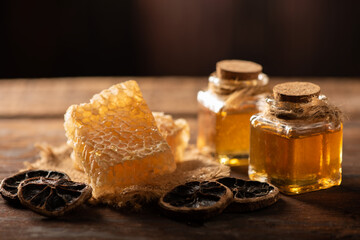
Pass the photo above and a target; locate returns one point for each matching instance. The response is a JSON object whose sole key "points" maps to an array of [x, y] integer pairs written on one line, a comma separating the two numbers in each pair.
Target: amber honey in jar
{"points": [[296, 143], [235, 92]]}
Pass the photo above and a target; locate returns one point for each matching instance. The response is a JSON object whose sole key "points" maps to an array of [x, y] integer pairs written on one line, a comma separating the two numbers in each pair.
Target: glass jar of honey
{"points": [[235, 92], [296, 143]]}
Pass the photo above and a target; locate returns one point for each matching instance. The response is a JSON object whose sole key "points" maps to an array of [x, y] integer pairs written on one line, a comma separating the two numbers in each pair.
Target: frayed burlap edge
{"points": [[194, 167]]}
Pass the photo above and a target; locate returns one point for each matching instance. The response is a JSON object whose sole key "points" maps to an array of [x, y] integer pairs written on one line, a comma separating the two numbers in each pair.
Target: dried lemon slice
{"points": [[9, 185], [176, 132], [196, 200], [53, 197], [250, 195], [116, 141]]}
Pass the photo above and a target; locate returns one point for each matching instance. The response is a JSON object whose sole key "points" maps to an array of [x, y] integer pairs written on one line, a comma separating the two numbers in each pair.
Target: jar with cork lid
{"points": [[296, 143], [235, 92]]}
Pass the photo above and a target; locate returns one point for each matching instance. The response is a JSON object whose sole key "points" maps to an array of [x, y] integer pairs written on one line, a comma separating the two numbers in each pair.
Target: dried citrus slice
{"points": [[176, 132], [196, 200], [9, 185], [116, 141], [250, 195], [52, 197]]}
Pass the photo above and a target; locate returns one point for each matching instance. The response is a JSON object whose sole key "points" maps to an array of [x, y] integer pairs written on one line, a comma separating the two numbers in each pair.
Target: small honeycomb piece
{"points": [[176, 132], [116, 141]]}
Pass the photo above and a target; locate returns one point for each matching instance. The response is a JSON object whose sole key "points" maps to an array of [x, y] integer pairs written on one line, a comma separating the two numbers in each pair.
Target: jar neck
{"points": [[316, 110], [291, 110], [227, 86]]}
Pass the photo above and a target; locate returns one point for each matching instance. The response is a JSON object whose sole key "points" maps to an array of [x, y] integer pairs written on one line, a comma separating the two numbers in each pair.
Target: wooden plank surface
{"points": [[176, 95], [32, 111]]}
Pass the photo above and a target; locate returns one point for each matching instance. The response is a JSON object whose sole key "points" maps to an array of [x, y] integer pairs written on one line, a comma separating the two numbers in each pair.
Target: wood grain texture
{"points": [[176, 95], [51, 97], [36, 116]]}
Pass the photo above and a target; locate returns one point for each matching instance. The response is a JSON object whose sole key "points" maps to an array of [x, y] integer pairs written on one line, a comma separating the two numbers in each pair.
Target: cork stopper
{"points": [[238, 69], [297, 92]]}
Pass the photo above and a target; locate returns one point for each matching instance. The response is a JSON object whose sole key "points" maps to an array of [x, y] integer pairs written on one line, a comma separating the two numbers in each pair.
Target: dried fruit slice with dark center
{"points": [[52, 197], [196, 200], [9, 185], [250, 195]]}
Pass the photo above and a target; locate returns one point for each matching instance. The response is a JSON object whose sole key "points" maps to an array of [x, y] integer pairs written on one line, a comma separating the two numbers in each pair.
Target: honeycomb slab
{"points": [[116, 141]]}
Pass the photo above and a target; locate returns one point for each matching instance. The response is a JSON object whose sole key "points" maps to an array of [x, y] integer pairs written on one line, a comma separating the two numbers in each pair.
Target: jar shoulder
{"points": [[292, 128]]}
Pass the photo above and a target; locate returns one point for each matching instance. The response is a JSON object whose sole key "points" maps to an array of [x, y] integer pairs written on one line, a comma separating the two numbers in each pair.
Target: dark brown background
{"points": [[52, 38]]}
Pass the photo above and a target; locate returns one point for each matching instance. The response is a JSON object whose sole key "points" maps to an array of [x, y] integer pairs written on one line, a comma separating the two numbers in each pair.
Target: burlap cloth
{"points": [[195, 167], [317, 109]]}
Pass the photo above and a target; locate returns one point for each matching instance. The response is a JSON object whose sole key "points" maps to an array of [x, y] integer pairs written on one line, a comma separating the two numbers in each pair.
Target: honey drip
{"points": [[296, 164]]}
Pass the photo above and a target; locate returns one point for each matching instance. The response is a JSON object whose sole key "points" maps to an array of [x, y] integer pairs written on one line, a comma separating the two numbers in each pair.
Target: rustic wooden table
{"points": [[32, 111]]}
